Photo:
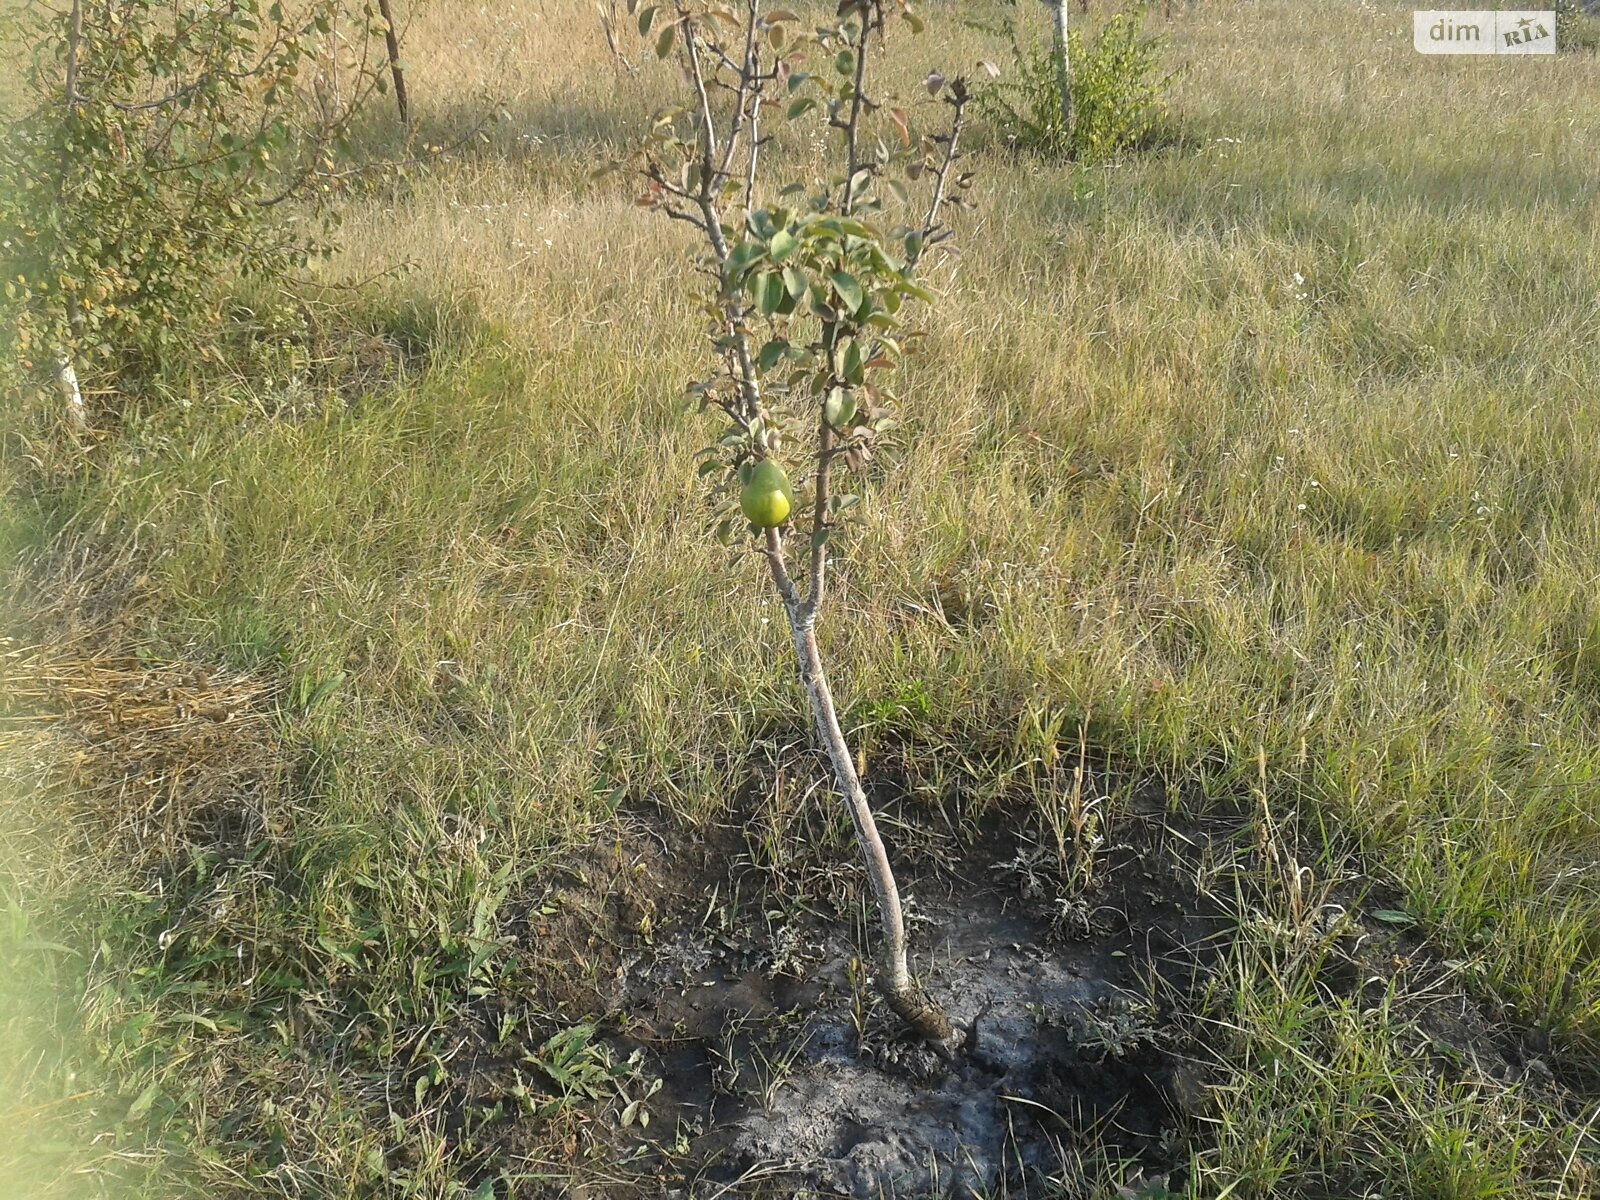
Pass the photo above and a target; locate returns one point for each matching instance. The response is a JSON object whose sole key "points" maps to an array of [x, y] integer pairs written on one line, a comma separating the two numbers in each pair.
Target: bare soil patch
{"points": [[743, 985]]}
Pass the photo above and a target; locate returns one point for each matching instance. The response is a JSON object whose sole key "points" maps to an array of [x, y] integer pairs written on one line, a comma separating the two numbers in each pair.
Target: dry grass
{"points": [[170, 756], [1268, 461]]}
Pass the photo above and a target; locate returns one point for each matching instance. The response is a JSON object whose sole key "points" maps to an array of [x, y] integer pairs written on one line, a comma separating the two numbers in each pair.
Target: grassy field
{"points": [[1268, 464]]}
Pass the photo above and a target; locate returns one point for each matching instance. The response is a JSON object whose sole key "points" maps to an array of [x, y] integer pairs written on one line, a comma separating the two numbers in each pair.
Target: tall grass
{"points": [[1269, 460]]}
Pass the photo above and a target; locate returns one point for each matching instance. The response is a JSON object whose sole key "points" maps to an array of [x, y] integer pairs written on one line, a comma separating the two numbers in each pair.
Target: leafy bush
{"points": [[1577, 26], [157, 156], [1117, 88]]}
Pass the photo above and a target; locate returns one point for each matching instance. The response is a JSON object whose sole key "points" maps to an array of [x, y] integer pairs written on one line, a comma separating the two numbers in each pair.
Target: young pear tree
{"points": [[808, 283]]}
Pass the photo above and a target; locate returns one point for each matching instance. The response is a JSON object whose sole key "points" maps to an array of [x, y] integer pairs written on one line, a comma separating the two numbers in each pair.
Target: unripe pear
{"points": [[765, 498]]}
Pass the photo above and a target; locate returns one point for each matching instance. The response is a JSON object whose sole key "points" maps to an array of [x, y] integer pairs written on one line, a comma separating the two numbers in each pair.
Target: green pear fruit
{"points": [[765, 498]]}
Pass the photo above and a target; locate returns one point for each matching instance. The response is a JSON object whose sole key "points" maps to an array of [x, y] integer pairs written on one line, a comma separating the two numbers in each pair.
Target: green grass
{"points": [[1269, 460]]}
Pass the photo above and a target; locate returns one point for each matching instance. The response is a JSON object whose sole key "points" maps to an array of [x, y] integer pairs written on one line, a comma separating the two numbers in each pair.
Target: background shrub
{"points": [[1577, 25], [1118, 92], [157, 151]]}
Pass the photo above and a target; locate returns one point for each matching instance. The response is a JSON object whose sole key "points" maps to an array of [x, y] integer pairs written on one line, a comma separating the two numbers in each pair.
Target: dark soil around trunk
{"points": [[697, 1017], [740, 979]]}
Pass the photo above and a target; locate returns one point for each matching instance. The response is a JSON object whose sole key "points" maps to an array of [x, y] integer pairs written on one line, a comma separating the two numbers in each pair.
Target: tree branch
{"points": [[747, 77], [755, 151], [959, 96], [711, 180], [853, 125], [772, 549], [818, 585], [708, 128]]}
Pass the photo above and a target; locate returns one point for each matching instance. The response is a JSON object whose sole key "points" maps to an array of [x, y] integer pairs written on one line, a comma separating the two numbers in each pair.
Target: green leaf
{"points": [[848, 289], [772, 353], [768, 291], [761, 224], [1394, 916], [142, 1104], [839, 408], [665, 41], [742, 258], [852, 363], [800, 107], [795, 282], [783, 245], [647, 18]]}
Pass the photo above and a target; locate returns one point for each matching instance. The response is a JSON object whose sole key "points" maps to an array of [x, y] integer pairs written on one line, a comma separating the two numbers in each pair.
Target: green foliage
{"points": [[1118, 91], [817, 280], [1577, 29], [831, 293], [1117, 88], [159, 156], [581, 1071]]}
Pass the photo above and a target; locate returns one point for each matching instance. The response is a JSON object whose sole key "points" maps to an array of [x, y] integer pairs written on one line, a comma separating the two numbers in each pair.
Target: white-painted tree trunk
{"points": [[71, 393], [1058, 11]]}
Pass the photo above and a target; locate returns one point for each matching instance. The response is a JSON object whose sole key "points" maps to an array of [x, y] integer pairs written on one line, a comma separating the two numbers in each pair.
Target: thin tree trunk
{"points": [[391, 39], [74, 39], [1058, 9], [894, 978], [66, 374], [67, 385]]}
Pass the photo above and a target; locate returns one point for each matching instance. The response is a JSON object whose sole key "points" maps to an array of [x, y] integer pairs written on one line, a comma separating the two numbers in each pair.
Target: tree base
{"points": [[926, 1019]]}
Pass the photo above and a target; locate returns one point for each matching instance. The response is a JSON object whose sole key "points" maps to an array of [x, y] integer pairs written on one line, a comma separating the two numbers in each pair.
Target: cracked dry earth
{"points": [[782, 1076]]}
